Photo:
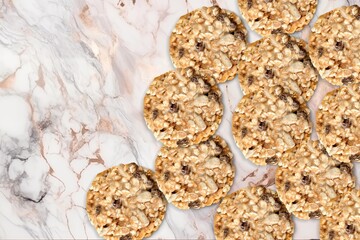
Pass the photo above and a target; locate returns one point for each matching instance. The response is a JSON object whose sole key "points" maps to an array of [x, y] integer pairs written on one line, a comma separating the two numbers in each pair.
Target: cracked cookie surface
{"points": [[334, 45], [183, 107], [343, 222], [253, 213], [196, 176], [309, 178], [338, 123], [278, 59], [209, 39], [124, 203], [269, 122], [267, 16]]}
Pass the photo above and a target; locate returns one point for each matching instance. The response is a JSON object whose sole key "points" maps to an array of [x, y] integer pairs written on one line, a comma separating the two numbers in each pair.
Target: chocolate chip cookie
{"points": [[209, 39], [195, 176], [183, 107]]}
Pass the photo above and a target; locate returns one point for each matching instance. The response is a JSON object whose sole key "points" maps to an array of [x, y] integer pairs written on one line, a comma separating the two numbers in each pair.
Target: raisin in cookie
{"points": [[309, 178], [195, 176], [183, 107], [253, 213], [343, 222], [338, 123], [269, 122], [334, 45], [209, 39], [268, 16], [278, 59], [124, 202]]}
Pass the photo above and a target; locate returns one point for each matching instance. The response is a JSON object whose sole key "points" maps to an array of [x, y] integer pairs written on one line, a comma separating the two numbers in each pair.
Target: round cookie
{"points": [[334, 45], [269, 122], [343, 222], [209, 39], [183, 107], [253, 213], [268, 16], [309, 178], [124, 203], [338, 123], [278, 59], [196, 176]]}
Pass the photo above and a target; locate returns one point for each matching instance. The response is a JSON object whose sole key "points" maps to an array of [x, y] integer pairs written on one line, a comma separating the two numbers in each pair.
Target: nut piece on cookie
{"points": [[209, 39], [269, 122], [196, 176], [253, 213], [334, 45], [124, 202], [268, 16], [183, 107], [338, 123]]}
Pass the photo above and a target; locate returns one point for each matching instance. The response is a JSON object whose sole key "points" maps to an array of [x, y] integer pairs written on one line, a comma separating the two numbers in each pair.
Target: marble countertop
{"points": [[72, 79]]}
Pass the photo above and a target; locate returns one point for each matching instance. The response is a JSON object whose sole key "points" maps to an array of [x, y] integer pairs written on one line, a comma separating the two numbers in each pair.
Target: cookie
{"points": [[269, 122], [124, 202], [253, 213], [338, 123], [183, 107], [334, 45], [343, 222], [309, 178], [196, 176], [268, 16], [278, 59], [209, 39]]}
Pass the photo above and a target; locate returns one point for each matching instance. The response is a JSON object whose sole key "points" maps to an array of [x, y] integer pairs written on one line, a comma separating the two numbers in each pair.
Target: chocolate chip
{"points": [[181, 52], [244, 226], [344, 167], [117, 203], [320, 51], [271, 160], [347, 80], [249, 4], [225, 158], [327, 129], [126, 237], [213, 96], [339, 46], [155, 114], [287, 186], [350, 229], [239, 34], [226, 232], [262, 126], [221, 17], [166, 175], [194, 204], [106, 226], [302, 114], [200, 46], [355, 157], [185, 170], [275, 31], [183, 142], [250, 80], [306, 180], [156, 192], [331, 235], [97, 209], [174, 108], [316, 214], [244, 131], [346, 123], [269, 74]]}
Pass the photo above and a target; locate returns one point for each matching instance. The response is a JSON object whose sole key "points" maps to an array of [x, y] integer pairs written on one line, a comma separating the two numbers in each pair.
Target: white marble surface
{"points": [[72, 79]]}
